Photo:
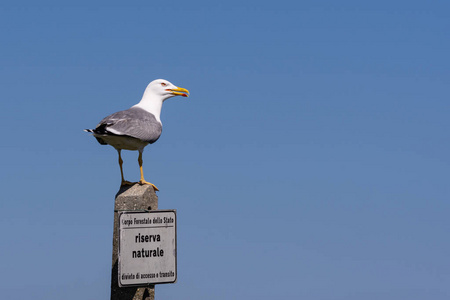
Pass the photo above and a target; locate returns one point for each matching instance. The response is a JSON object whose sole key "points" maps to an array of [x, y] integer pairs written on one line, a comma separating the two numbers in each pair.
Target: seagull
{"points": [[138, 126]]}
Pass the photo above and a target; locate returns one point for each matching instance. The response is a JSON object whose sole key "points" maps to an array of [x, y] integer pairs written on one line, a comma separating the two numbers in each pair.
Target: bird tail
{"points": [[101, 141]]}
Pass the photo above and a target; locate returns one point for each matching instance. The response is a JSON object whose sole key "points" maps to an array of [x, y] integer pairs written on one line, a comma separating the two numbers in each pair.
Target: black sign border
{"points": [[176, 247]]}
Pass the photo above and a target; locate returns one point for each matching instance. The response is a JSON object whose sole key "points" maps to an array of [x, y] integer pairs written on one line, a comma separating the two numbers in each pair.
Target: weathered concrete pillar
{"points": [[135, 197]]}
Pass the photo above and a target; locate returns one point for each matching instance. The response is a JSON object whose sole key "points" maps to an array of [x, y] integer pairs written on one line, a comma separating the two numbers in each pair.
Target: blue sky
{"points": [[310, 162]]}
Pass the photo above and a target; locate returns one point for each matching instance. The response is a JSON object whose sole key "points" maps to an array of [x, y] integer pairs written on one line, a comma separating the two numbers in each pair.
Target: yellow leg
{"points": [[142, 181], [124, 182]]}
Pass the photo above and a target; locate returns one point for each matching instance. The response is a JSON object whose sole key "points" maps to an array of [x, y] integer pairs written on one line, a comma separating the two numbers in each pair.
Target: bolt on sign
{"points": [[147, 248]]}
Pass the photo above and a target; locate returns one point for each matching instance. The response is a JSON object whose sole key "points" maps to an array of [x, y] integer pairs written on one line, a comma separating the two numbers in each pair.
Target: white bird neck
{"points": [[151, 104]]}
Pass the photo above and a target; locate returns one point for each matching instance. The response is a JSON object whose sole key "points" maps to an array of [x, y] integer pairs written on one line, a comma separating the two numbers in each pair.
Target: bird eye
{"points": [[163, 84]]}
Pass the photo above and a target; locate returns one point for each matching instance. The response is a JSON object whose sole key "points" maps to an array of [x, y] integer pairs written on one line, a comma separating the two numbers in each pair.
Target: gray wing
{"points": [[134, 122]]}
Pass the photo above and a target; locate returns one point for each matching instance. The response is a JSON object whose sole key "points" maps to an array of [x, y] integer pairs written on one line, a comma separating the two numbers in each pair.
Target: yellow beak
{"points": [[180, 92]]}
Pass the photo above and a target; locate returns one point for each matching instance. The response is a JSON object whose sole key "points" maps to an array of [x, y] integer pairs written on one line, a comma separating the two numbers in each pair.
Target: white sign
{"points": [[147, 248]]}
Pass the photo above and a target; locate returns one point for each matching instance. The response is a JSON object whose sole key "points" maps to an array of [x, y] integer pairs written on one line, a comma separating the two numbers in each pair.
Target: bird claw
{"points": [[142, 182], [126, 182]]}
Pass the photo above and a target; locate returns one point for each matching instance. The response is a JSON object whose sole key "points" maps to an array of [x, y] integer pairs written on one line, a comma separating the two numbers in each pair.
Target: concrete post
{"points": [[135, 197]]}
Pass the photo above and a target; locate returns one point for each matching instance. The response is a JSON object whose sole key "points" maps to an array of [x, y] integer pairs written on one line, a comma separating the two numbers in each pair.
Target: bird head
{"points": [[164, 89]]}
